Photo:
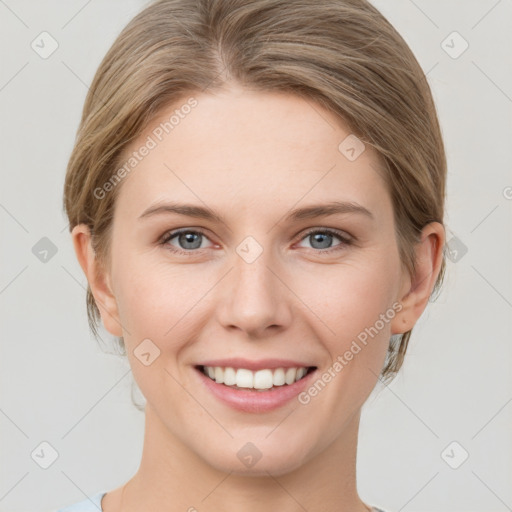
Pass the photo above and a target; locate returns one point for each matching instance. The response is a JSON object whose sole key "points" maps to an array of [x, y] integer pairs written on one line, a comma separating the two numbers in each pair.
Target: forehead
{"points": [[244, 149]]}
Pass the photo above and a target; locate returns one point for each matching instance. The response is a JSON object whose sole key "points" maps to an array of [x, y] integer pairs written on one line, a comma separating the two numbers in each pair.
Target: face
{"points": [[270, 280]]}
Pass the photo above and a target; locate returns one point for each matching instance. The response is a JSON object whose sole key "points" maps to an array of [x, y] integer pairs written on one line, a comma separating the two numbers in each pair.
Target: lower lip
{"points": [[256, 401]]}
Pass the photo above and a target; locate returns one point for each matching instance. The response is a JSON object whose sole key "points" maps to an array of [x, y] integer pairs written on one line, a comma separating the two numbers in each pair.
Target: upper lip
{"points": [[261, 364]]}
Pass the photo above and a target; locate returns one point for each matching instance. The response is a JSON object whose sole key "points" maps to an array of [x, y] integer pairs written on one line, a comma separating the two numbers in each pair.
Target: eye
{"points": [[321, 239], [189, 240]]}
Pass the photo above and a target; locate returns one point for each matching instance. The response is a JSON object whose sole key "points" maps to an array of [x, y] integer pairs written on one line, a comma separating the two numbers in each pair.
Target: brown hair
{"points": [[342, 54]]}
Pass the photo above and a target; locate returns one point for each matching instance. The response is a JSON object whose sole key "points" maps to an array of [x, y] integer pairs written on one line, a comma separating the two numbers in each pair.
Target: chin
{"points": [[256, 458]]}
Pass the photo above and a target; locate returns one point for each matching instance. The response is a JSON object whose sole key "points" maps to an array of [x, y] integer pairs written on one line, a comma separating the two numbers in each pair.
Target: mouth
{"points": [[262, 388], [262, 380]]}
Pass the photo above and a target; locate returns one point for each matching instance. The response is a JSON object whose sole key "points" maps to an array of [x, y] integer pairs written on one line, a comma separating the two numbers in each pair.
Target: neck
{"points": [[327, 482]]}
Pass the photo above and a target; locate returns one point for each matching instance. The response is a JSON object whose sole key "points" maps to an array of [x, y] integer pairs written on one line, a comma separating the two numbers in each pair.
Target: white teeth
{"points": [[290, 375], [278, 378], [300, 373], [261, 379], [229, 376], [244, 378], [219, 375]]}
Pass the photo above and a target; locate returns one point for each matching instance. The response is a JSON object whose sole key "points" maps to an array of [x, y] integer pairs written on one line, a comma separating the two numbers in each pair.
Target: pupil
{"points": [[189, 238], [325, 238]]}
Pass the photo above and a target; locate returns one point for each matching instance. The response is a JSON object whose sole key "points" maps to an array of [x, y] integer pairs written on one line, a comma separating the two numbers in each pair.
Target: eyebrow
{"points": [[309, 212]]}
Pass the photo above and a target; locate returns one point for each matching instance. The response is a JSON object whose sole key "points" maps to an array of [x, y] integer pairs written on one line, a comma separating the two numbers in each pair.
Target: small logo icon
{"points": [[44, 45], [351, 147], [454, 455], [455, 249], [249, 249], [146, 352], [454, 45], [44, 250], [44, 455], [249, 455]]}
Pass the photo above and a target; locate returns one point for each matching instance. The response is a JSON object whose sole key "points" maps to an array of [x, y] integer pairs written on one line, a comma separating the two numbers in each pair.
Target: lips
{"points": [[255, 386]]}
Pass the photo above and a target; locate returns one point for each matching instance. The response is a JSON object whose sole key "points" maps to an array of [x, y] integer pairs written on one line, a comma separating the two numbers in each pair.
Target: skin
{"points": [[253, 157]]}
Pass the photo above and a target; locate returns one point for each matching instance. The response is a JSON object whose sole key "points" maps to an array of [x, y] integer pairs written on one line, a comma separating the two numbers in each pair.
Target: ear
{"points": [[416, 289], [99, 280]]}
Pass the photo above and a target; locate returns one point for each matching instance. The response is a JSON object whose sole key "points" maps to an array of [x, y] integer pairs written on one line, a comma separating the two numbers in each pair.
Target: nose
{"points": [[256, 299]]}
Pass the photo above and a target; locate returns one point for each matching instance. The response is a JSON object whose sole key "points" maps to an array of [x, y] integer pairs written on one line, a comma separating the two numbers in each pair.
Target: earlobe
{"points": [[414, 296], [98, 279]]}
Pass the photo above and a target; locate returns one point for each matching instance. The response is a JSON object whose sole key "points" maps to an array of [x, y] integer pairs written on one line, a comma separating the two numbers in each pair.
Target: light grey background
{"points": [[456, 385]]}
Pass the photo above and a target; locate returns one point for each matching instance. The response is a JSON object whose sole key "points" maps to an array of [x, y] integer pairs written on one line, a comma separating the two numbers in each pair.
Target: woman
{"points": [[256, 197]]}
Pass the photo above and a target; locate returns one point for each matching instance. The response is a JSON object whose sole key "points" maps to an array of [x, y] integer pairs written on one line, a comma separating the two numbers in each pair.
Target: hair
{"points": [[342, 54]]}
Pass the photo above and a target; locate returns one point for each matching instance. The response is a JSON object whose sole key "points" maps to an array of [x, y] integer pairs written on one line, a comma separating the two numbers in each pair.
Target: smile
{"points": [[265, 387], [264, 379]]}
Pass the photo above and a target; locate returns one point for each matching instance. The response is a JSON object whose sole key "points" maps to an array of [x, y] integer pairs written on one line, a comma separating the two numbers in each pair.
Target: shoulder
{"points": [[92, 504]]}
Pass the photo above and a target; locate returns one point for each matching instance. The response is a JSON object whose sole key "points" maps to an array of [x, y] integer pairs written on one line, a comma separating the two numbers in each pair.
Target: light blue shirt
{"points": [[94, 505]]}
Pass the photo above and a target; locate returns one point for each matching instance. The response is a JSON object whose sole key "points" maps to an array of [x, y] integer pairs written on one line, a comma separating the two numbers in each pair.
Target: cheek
{"points": [[357, 307], [155, 303], [160, 301], [152, 302]]}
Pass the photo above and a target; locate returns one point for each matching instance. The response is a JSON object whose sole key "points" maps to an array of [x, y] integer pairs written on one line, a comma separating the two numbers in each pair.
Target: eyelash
{"points": [[345, 241]]}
